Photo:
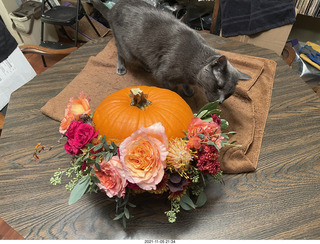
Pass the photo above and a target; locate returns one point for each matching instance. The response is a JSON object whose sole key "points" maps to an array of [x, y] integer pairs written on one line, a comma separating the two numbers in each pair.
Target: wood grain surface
{"points": [[280, 200]]}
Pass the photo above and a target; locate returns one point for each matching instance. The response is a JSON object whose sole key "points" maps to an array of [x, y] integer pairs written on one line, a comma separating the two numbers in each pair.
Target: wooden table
{"points": [[280, 200]]}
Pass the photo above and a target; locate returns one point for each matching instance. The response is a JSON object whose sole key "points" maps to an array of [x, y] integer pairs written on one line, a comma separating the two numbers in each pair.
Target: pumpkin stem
{"points": [[138, 98]]}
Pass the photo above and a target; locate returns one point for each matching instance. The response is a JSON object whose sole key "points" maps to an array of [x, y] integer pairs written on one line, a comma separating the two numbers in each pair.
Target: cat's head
{"points": [[219, 79]]}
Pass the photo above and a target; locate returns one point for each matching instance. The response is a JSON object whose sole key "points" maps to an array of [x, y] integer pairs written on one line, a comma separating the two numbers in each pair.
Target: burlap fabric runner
{"points": [[246, 111]]}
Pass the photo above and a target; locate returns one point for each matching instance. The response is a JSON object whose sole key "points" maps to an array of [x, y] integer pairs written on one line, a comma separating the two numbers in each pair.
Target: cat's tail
{"points": [[101, 7]]}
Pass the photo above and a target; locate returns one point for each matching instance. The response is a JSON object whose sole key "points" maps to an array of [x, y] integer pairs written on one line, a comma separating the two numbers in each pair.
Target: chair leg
{"points": [[41, 41], [95, 29], [76, 34], [44, 61]]}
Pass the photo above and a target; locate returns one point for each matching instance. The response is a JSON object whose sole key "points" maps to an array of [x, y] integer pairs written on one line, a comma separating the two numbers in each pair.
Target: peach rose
{"points": [[75, 108], [143, 156], [112, 178]]}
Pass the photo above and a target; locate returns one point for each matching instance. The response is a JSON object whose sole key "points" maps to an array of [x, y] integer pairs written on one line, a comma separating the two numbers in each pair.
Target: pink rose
{"points": [[112, 178], [143, 156], [79, 134]]}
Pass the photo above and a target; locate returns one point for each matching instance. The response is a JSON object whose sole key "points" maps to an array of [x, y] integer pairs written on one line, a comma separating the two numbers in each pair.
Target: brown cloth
{"points": [[246, 111]]}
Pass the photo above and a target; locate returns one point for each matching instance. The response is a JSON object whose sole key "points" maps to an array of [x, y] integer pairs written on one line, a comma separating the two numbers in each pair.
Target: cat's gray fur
{"points": [[173, 52]]}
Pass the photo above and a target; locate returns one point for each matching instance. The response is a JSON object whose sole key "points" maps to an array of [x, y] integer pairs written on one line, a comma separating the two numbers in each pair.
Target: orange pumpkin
{"points": [[125, 111]]}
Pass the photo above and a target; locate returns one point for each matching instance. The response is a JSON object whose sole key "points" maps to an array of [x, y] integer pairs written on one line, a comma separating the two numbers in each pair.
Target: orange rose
{"points": [[75, 108], [143, 156], [200, 131]]}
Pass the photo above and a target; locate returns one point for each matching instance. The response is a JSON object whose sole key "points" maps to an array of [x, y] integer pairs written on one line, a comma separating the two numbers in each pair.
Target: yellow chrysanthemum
{"points": [[179, 156]]}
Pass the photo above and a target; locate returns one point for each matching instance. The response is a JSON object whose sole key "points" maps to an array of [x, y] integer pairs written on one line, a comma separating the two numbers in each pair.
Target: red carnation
{"points": [[208, 159]]}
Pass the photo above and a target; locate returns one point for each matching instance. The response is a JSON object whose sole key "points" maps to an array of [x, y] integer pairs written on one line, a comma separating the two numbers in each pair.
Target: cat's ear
{"points": [[243, 76], [220, 63]]}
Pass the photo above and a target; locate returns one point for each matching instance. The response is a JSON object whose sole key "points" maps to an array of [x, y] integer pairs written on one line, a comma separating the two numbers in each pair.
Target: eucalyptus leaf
{"points": [[79, 189], [126, 213], [131, 205], [124, 223], [185, 206], [225, 136], [119, 216], [186, 203], [201, 200]]}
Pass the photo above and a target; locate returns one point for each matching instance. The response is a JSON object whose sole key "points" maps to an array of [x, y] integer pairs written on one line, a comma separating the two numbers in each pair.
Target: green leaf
{"points": [[202, 113], [224, 124], [225, 136], [114, 146], [79, 189], [106, 146], [124, 223], [119, 216], [186, 203], [108, 156], [209, 119], [131, 205], [89, 145], [98, 147], [209, 106], [97, 166], [126, 213], [95, 179], [103, 139], [211, 143], [216, 111], [202, 198]]}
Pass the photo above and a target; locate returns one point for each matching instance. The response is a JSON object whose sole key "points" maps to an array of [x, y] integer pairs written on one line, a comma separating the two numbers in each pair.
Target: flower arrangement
{"points": [[146, 161]]}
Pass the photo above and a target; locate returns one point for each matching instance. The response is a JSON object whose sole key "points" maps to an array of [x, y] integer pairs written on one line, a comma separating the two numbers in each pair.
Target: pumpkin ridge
{"points": [[177, 118]]}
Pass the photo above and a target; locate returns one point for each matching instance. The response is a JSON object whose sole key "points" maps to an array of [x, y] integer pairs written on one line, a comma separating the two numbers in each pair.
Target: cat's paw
{"points": [[121, 71], [188, 90]]}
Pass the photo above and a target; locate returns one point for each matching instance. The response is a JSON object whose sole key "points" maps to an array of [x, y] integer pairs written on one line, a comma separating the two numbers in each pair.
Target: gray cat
{"points": [[173, 52]]}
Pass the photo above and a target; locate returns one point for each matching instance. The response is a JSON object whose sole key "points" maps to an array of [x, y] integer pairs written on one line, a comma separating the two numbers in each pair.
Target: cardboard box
{"points": [[274, 39]]}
